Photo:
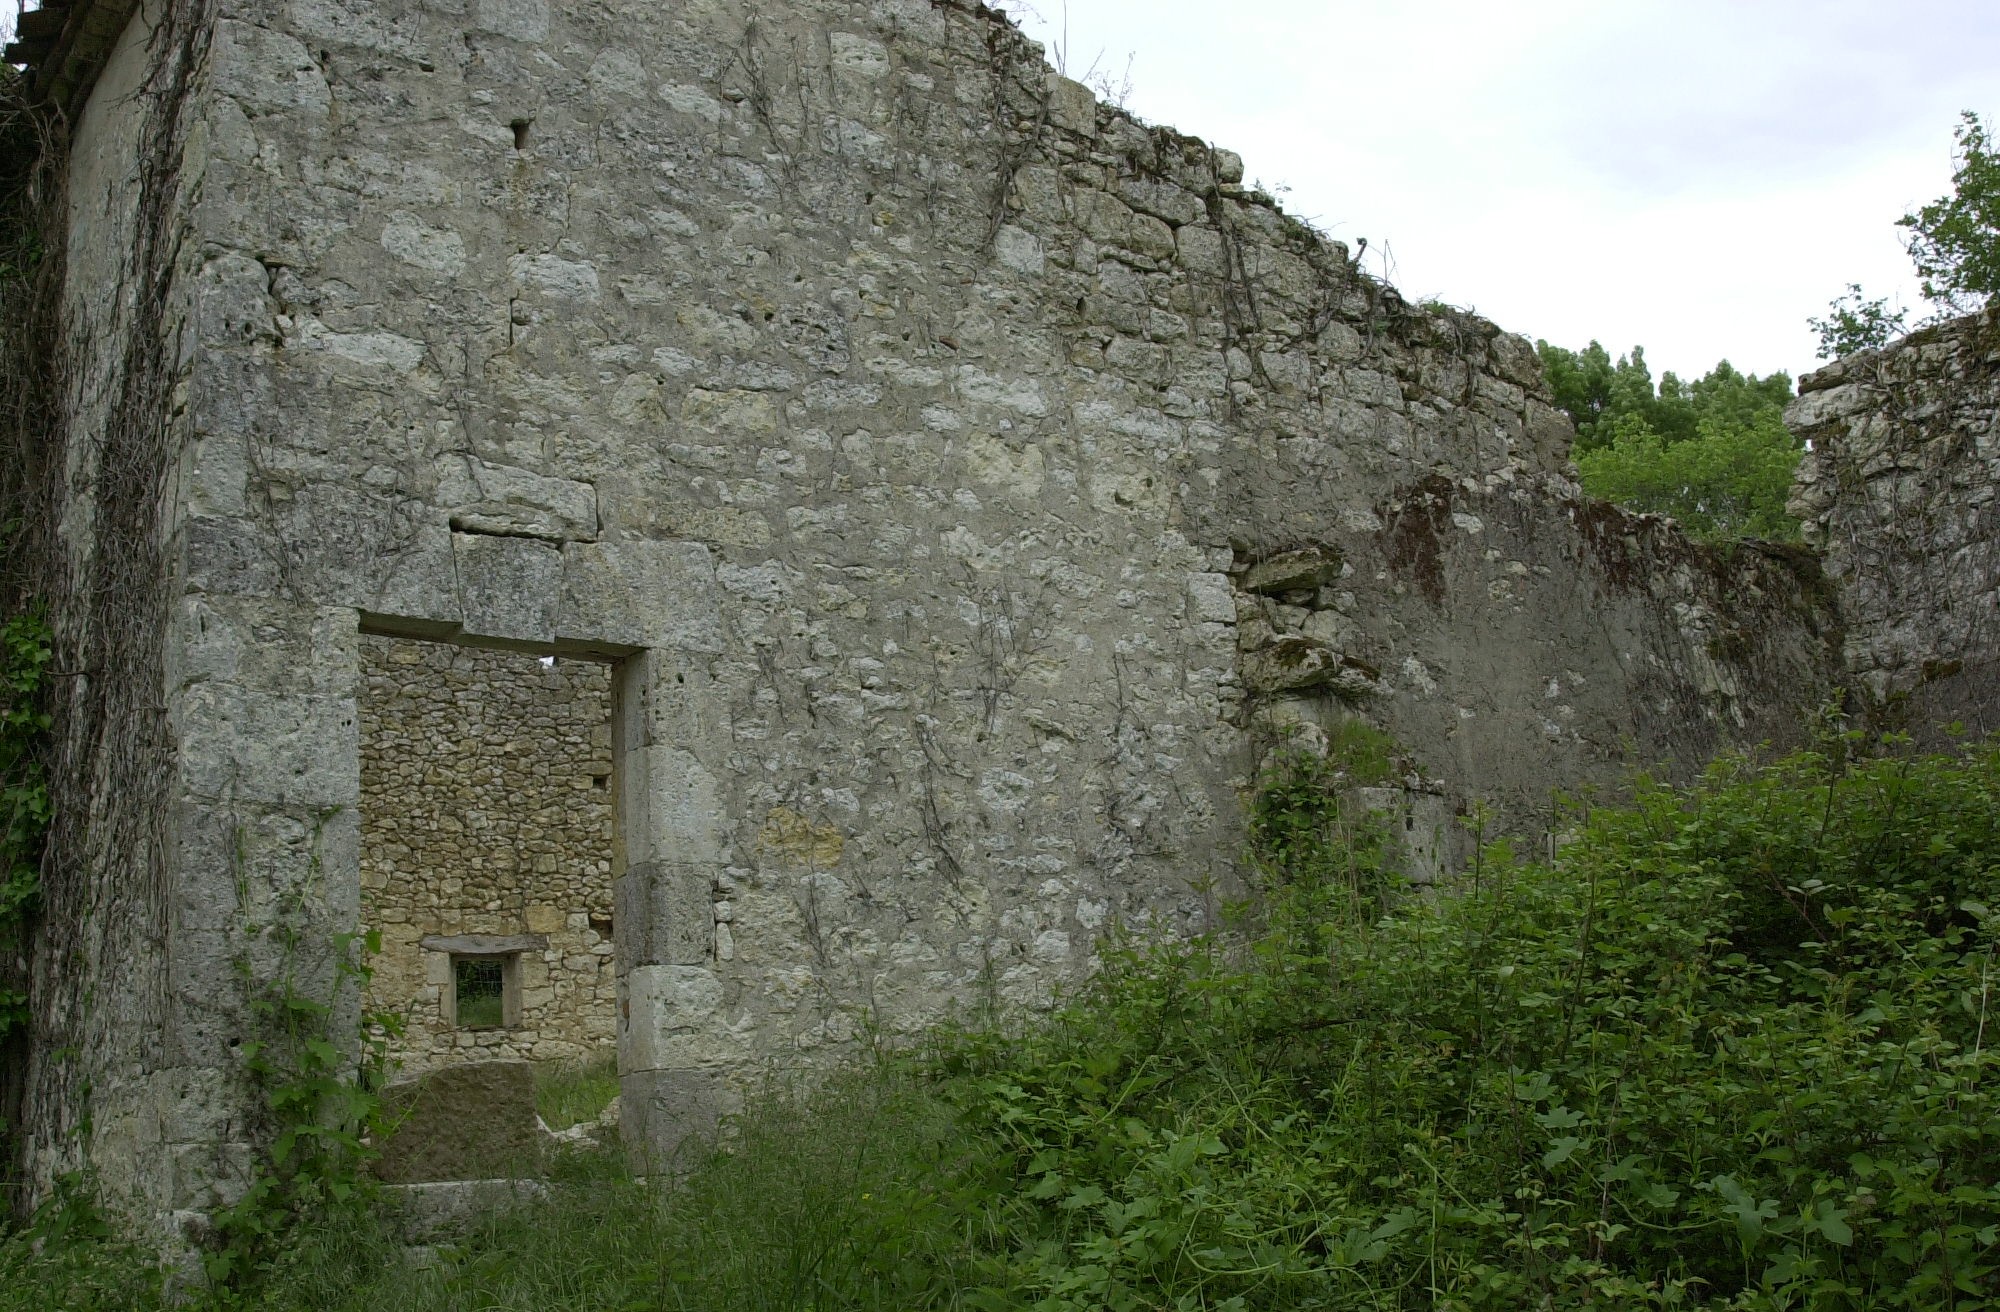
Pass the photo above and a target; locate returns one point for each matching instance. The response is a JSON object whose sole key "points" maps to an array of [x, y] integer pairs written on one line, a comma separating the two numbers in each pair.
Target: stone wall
{"points": [[911, 430], [1898, 492], [486, 810], [122, 1075]]}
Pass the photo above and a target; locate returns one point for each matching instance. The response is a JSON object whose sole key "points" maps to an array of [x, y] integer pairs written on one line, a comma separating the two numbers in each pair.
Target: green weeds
{"points": [[24, 793], [1732, 1049]]}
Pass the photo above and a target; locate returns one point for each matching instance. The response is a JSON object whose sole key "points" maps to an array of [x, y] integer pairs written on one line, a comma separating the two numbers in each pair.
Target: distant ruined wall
{"points": [[1899, 494], [486, 810], [926, 444]]}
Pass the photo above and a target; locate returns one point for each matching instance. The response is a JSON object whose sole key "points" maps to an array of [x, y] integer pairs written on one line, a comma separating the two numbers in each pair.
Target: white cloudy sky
{"points": [[1694, 176]]}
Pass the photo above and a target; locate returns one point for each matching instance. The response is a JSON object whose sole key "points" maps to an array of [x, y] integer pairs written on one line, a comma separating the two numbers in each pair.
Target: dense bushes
{"points": [[1731, 1049]]}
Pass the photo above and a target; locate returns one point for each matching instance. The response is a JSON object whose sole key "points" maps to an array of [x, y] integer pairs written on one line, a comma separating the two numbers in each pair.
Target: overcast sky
{"points": [[1696, 177]]}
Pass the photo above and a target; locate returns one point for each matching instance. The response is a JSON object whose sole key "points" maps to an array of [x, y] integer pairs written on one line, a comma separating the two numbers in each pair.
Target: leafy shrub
{"points": [[1728, 1051], [1725, 482]]}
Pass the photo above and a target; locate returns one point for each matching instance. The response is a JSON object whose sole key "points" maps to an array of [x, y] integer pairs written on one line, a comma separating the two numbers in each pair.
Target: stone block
{"points": [[474, 1121], [1292, 571], [1210, 599], [433, 1210], [239, 865], [665, 914], [665, 1001], [483, 944], [640, 594], [680, 815], [1072, 107], [509, 587], [504, 499], [1294, 663], [297, 750], [263, 644], [229, 556], [670, 1117], [267, 72], [376, 553]]}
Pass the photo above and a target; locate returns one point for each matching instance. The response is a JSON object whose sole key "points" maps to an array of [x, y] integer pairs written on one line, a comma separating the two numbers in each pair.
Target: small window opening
{"points": [[482, 992], [520, 127]]}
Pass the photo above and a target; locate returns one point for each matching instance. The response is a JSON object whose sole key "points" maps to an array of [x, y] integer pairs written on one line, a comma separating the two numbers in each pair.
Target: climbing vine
{"points": [[24, 797]]}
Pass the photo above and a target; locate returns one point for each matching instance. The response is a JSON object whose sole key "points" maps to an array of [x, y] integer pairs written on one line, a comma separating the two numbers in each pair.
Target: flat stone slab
{"points": [[443, 1209], [471, 1122], [483, 944]]}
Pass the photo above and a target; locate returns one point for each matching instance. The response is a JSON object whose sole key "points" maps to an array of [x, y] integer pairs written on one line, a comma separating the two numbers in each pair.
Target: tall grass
{"points": [[572, 1092]]}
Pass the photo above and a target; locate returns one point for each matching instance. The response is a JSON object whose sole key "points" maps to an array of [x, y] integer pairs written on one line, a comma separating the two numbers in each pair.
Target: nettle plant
{"points": [[1728, 1050], [324, 1113]]}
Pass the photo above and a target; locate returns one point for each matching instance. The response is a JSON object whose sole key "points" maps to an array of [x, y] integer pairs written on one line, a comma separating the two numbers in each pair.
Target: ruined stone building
{"points": [[712, 525]]}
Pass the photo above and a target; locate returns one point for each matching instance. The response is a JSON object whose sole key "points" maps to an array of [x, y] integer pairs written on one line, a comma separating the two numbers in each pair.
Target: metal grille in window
{"points": [[481, 984]]}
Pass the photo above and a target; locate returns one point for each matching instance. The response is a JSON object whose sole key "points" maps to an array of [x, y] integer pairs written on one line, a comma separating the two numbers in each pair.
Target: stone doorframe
{"points": [[650, 610]]}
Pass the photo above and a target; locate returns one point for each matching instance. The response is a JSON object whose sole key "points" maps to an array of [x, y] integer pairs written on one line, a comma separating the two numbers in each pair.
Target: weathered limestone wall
{"points": [[486, 810], [108, 1081], [916, 409], [1899, 493], [911, 430]]}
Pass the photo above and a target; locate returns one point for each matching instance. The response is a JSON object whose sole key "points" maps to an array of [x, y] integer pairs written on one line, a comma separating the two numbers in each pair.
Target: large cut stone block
{"points": [[241, 745], [665, 915], [504, 499], [641, 594], [471, 1122], [678, 811], [509, 587], [670, 1116]]}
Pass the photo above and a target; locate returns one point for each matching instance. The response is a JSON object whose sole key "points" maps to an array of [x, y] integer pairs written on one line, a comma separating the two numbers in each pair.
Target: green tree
{"points": [[1855, 323], [1955, 240], [1728, 481], [1713, 453]]}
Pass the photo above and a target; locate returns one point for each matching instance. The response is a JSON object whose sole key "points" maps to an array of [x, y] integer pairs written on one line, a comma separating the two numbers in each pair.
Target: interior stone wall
{"points": [[120, 1079], [486, 809], [1900, 491], [911, 428], [911, 415]]}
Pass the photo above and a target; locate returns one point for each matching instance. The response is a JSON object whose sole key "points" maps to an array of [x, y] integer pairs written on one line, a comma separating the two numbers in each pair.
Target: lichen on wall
{"points": [[486, 810]]}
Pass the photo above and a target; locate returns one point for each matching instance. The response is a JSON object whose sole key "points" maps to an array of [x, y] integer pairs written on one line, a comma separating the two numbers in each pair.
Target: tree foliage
{"points": [[1713, 453], [1855, 323], [1955, 240]]}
